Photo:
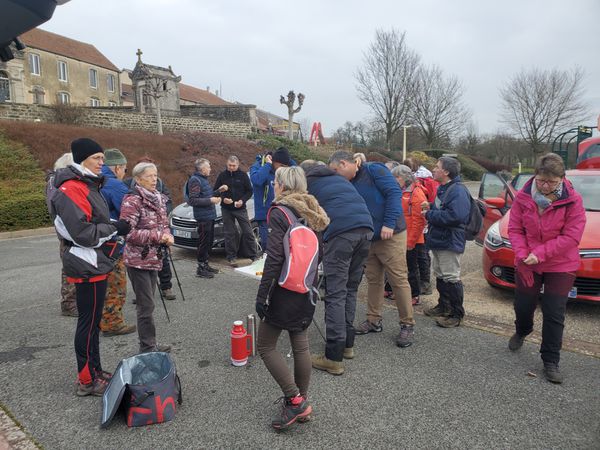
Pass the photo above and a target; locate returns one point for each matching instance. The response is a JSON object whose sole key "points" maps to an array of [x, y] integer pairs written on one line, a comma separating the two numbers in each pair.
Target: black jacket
{"points": [[82, 219], [239, 186], [285, 309]]}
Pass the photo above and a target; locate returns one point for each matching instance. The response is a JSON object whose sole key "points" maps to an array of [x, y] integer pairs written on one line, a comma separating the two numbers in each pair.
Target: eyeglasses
{"points": [[548, 183]]}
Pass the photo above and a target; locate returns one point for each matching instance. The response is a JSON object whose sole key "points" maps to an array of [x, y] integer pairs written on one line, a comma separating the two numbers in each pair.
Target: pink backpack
{"points": [[301, 247]]}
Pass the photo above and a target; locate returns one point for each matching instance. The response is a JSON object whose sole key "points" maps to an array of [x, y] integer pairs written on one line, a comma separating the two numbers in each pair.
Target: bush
{"points": [[298, 150], [489, 165], [22, 189], [470, 170], [68, 113]]}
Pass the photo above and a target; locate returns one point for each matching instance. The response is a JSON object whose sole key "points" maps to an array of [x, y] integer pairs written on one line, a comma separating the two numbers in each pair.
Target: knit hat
{"points": [[114, 157], [282, 156], [83, 148]]}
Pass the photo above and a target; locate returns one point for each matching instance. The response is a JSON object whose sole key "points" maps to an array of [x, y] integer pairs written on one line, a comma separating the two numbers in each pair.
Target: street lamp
{"points": [[404, 142]]}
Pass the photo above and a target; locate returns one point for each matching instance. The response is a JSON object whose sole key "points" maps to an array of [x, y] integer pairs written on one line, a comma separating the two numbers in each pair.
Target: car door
{"points": [[497, 195]]}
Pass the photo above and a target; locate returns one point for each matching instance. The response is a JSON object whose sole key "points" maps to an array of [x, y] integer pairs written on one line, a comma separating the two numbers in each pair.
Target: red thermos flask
{"points": [[239, 344]]}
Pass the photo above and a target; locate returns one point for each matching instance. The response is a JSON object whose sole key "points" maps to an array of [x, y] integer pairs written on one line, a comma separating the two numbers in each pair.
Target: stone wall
{"points": [[232, 113], [126, 119]]}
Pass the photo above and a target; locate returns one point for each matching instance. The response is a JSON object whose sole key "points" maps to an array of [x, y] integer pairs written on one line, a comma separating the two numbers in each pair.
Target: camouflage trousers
{"points": [[112, 315], [67, 290]]}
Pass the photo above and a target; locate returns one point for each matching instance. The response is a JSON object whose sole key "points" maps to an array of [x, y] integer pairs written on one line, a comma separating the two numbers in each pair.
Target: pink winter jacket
{"points": [[553, 236], [147, 215]]}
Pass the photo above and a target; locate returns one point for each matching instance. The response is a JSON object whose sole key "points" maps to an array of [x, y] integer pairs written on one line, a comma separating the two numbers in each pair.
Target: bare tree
{"points": [[385, 82], [156, 88], [437, 109], [291, 98], [537, 104]]}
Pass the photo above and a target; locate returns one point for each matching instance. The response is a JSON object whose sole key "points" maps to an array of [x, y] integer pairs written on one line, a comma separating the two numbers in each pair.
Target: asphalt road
{"points": [[458, 388]]}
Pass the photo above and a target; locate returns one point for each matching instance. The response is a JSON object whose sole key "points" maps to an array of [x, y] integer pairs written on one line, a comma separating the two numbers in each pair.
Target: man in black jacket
{"points": [[233, 208]]}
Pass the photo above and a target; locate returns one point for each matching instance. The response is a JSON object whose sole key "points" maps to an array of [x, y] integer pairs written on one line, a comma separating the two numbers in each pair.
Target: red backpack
{"points": [[301, 247], [431, 187]]}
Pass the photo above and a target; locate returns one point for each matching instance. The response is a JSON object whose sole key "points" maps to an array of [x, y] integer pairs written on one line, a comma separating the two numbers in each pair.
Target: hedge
{"points": [[298, 150]]}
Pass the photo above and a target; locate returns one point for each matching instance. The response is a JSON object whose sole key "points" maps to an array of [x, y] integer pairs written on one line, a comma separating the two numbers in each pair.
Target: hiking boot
{"points": [[212, 269], [426, 288], [103, 374], [448, 321], [292, 409], [368, 327], [406, 336], [95, 388], [321, 362], [203, 271], [436, 311], [72, 312], [233, 262], [515, 342], [552, 373], [349, 353], [168, 294], [416, 300], [122, 329], [389, 295], [158, 348]]}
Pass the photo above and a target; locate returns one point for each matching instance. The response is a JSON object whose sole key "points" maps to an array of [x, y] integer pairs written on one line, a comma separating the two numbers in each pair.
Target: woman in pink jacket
{"points": [[546, 224], [146, 211]]}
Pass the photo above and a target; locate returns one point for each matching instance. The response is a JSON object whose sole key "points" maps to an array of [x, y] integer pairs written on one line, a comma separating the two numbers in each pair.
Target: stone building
{"points": [[55, 69]]}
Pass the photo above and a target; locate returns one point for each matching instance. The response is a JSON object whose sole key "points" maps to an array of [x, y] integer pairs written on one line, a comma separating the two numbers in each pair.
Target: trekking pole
{"points": [[175, 272], [319, 330], [163, 301]]}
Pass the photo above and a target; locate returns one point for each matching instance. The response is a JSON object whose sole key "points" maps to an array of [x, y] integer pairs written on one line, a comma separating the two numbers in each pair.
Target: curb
{"points": [[12, 435], [26, 233]]}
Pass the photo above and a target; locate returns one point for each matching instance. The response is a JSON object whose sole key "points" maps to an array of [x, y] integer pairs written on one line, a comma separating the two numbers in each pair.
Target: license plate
{"points": [[182, 234], [573, 293]]}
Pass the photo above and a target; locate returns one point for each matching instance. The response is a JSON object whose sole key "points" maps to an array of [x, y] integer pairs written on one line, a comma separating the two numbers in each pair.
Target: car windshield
{"points": [[521, 179], [589, 188]]}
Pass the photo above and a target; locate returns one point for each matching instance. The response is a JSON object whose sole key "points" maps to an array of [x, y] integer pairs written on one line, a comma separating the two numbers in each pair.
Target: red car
{"points": [[498, 255]]}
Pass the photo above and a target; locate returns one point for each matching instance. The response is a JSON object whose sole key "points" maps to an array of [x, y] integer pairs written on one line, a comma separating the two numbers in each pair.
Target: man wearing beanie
{"points": [[113, 190], [262, 175]]}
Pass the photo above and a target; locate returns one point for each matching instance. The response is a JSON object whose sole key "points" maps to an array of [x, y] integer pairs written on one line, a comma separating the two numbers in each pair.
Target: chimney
{"points": [[207, 88]]}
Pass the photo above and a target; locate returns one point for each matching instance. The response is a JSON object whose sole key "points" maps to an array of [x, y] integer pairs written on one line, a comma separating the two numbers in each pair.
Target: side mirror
{"points": [[495, 202]]}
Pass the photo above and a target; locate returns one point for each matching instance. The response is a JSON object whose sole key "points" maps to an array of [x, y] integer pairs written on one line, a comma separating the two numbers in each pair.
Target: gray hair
{"points": [[450, 165], [199, 163], [341, 155], [291, 179], [140, 168], [404, 172], [360, 156], [310, 163], [65, 160], [391, 164], [233, 159]]}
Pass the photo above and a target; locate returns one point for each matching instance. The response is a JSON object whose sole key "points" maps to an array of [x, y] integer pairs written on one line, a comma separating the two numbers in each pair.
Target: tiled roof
{"points": [[193, 94], [60, 45]]}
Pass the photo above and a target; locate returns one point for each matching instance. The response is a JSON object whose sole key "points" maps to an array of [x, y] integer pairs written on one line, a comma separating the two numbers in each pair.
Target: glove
{"points": [[525, 273], [123, 227], [260, 310]]}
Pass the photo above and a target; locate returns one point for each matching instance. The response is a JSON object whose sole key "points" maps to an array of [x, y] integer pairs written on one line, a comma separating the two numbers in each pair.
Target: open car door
{"points": [[497, 195]]}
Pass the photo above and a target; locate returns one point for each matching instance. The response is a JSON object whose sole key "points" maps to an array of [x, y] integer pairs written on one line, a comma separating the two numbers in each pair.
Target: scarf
{"points": [[541, 200]]}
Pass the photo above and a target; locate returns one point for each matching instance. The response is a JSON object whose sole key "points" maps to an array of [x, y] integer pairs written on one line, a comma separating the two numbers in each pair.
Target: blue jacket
{"points": [[383, 196], [200, 193], [448, 216], [113, 190], [345, 207], [262, 176]]}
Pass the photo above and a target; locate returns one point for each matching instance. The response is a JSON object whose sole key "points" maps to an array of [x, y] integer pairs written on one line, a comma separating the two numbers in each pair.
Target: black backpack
{"points": [[476, 214]]}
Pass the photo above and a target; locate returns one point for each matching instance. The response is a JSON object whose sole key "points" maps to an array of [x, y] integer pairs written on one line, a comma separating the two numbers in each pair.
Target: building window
{"points": [[4, 87], [110, 81], [62, 71], [94, 78], [34, 64], [64, 98], [38, 95], [94, 102], [112, 104]]}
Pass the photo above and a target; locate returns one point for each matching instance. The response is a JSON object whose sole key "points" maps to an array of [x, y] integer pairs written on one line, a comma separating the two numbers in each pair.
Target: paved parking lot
{"points": [[458, 388]]}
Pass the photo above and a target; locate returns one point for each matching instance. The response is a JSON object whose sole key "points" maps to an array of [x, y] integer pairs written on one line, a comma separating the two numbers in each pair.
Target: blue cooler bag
{"points": [[147, 387]]}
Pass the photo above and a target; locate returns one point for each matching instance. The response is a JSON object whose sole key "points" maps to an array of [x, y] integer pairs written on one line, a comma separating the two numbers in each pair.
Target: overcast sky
{"points": [[258, 50]]}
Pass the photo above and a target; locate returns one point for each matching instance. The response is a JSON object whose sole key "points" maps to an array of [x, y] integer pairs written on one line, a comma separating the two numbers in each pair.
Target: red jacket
{"points": [[415, 221], [553, 236], [147, 215]]}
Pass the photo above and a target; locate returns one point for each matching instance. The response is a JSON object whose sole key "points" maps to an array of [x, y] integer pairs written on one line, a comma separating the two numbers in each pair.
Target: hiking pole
{"points": [[175, 272], [163, 301], [319, 330]]}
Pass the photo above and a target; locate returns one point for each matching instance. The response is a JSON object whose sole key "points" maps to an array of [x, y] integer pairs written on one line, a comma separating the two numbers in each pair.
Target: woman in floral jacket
{"points": [[145, 210]]}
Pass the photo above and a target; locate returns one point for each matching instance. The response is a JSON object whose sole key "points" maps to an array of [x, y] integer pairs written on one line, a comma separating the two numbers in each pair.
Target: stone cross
{"points": [[139, 55]]}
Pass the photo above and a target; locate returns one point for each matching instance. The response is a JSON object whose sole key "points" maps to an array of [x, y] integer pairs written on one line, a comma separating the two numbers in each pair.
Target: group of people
{"points": [[372, 220]]}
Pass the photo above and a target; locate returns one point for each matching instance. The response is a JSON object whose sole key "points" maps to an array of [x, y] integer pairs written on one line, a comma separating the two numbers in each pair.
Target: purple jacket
{"points": [[147, 215], [553, 236]]}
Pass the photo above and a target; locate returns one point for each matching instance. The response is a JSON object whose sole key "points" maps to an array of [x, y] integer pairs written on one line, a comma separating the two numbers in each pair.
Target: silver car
{"points": [[185, 228]]}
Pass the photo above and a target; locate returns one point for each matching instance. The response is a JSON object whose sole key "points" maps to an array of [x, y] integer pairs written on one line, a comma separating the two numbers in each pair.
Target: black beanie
{"points": [[83, 148], [282, 156]]}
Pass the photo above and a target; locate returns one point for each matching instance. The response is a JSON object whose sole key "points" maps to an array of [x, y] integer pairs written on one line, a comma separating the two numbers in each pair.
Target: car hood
{"points": [[591, 233]]}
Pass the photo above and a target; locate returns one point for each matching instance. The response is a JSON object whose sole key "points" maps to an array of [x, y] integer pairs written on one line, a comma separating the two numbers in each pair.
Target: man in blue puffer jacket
{"points": [[447, 217], [383, 196], [262, 174]]}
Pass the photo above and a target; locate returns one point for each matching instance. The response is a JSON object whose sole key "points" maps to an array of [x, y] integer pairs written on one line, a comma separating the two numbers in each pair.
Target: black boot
{"points": [[212, 269], [454, 294], [203, 271], [442, 309]]}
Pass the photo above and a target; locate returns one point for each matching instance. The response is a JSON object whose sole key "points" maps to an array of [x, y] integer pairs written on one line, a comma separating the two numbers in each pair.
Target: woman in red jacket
{"points": [[547, 220], [413, 195]]}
